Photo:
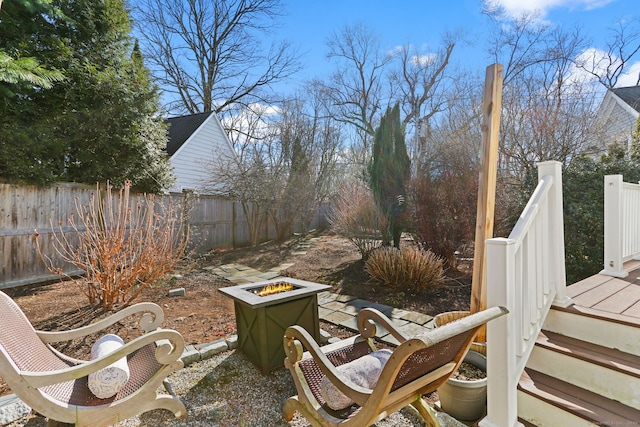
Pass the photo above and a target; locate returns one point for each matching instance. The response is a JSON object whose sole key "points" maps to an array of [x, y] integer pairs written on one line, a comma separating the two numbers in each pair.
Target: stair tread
{"points": [[578, 401], [600, 314], [607, 357]]}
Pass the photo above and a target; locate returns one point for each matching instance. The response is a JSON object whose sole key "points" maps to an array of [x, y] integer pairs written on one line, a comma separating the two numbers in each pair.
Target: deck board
{"points": [[616, 296], [586, 285], [621, 300], [633, 311], [600, 293]]}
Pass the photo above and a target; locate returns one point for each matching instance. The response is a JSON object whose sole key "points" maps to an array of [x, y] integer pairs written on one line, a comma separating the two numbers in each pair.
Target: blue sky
{"points": [[308, 23]]}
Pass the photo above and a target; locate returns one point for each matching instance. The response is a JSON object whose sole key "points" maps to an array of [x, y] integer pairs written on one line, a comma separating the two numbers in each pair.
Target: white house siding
{"points": [[620, 124], [192, 161], [618, 119]]}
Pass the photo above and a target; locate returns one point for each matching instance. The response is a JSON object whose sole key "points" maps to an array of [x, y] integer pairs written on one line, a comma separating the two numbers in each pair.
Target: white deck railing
{"points": [[621, 224], [526, 274]]}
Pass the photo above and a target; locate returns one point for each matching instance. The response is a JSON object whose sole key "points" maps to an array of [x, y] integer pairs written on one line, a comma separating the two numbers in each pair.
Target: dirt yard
{"points": [[204, 314]]}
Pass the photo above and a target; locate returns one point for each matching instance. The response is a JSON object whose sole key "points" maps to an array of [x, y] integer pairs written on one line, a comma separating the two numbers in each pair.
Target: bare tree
{"points": [[286, 160], [547, 111], [251, 175], [423, 87], [622, 47], [355, 89], [208, 55], [518, 44]]}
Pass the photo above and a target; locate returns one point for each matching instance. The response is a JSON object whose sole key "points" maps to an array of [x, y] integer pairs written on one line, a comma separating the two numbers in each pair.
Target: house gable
{"points": [[618, 114], [195, 141], [630, 95]]}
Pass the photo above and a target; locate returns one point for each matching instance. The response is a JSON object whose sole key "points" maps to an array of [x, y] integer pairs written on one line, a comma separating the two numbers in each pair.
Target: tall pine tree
{"points": [[100, 123], [389, 171], [27, 29]]}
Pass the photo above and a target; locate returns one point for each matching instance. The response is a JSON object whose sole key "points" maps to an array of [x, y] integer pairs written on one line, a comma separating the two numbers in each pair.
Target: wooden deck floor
{"points": [[610, 295]]}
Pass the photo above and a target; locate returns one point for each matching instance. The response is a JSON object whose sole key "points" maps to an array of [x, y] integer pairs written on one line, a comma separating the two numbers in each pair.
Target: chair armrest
{"points": [[151, 319], [170, 348], [295, 338], [461, 325], [367, 327]]}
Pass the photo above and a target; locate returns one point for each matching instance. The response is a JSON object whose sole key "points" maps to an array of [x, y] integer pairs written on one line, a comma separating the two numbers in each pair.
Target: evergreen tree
{"points": [[100, 123], [635, 142], [389, 171], [27, 40]]}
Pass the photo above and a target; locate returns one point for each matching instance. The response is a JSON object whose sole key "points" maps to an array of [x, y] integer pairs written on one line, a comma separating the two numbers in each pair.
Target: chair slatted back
{"points": [[426, 360], [20, 342]]}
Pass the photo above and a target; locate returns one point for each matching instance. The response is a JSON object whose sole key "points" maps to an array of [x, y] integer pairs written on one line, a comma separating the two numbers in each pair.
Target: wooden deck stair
{"points": [[585, 367]]}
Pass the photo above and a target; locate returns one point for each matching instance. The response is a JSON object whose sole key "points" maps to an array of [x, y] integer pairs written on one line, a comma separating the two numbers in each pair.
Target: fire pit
{"points": [[264, 310]]}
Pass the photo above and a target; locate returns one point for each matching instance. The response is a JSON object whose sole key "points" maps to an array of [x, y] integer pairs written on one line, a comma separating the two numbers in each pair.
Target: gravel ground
{"points": [[227, 390]]}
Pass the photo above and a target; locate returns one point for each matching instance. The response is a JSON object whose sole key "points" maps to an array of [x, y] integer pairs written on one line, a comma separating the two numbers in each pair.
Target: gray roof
{"points": [[182, 127], [630, 95]]}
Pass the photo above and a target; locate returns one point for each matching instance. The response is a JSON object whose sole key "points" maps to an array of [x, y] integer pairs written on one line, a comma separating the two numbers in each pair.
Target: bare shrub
{"points": [[406, 268], [355, 216], [443, 211], [122, 246]]}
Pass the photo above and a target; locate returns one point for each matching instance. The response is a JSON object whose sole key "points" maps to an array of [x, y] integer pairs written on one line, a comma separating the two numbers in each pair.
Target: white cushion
{"points": [[363, 371], [108, 381]]}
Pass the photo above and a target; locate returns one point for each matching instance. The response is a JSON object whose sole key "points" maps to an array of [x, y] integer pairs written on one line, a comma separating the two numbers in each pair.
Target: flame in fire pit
{"points": [[274, 288]]}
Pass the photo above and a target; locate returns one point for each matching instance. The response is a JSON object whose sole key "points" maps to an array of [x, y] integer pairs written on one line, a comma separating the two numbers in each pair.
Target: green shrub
{"points": [[406, 268]]}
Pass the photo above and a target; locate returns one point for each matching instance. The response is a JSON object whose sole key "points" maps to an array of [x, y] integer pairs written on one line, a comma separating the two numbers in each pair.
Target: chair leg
{"points": [[427, 412], [288, 408]]}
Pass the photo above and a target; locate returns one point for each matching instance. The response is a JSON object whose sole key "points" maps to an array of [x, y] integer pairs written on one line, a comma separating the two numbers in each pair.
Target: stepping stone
{"points": [[350, 323], [326, 297], [417, 317], [337, 317], [344, 298], [324, 312], [335, 306], [397, 313]]}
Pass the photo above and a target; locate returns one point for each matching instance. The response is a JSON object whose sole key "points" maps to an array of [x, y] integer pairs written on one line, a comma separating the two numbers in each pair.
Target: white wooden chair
{"points": [[56, 386], [418, 366]]}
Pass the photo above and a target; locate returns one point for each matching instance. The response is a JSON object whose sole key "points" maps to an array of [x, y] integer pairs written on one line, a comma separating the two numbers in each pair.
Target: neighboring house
{"points": [[618, 115], [195, 142]]}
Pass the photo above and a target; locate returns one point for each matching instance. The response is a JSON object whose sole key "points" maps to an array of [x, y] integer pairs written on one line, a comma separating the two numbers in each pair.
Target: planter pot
{"points": [[466, 399]]}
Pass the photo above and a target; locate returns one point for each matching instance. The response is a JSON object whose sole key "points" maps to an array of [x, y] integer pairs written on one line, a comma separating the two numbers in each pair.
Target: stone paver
{"points": [[419, 318], [269, 275], [337, 306], [410, 329], [324, 312], [337, 317], [350, 323], [344, 298]]}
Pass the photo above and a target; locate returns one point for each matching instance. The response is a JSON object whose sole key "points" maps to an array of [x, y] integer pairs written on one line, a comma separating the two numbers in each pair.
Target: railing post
{"points": [[613, 263], [558, 275], [502, 370]]}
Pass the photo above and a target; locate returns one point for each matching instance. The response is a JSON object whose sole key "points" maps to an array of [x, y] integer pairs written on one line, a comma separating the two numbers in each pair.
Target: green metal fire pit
{"points": [[262, 320]]}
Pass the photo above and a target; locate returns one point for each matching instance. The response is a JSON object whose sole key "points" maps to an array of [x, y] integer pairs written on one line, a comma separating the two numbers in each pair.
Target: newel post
{"points": [[503, 372], [558, 274], [613, 264]]}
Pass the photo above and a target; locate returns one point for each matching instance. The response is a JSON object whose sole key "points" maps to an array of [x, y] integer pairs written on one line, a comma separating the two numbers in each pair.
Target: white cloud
{"points": [[630, 78], [424, 60], [515, 8], [597, 61]]}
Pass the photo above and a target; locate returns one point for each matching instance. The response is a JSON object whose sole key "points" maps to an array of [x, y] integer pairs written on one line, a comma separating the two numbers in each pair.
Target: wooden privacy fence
{"points": [[214, 222]]}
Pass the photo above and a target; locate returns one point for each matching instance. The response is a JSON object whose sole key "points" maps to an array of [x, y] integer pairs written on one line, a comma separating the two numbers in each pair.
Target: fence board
{"points": [[214, 222]]}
